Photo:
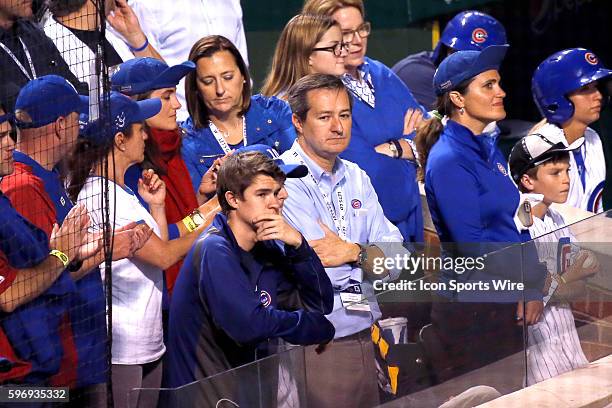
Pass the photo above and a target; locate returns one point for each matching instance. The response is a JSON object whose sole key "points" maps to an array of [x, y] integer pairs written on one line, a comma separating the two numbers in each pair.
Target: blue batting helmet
{"points": [[471, 31], [560, 74]]}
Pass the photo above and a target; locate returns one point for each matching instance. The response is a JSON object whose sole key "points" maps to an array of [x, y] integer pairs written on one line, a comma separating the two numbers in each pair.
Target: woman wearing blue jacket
{"points": [[222, 113], [473, 201], [385, 116]]}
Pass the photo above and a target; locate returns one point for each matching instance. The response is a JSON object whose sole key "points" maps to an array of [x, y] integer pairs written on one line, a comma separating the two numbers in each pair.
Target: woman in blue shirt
{"points": [[222, 113], [385, 115], [473, 201]]}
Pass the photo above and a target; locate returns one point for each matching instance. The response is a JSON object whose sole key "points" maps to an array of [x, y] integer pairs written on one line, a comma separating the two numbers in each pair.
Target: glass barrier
{"points": [[277, 380], [450, 333]]}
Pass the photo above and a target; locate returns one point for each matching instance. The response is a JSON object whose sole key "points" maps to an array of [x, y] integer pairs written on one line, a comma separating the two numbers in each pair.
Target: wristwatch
{"points": [[393, 149], [363, 255], [197, 218]]}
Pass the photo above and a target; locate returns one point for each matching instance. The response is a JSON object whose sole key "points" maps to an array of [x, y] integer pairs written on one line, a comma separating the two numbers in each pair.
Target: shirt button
{"points": [[258, 129], [269, 121]]}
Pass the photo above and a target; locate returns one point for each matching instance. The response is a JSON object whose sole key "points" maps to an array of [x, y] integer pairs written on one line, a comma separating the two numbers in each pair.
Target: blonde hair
{"points": [[294, 47], [329, 7]]}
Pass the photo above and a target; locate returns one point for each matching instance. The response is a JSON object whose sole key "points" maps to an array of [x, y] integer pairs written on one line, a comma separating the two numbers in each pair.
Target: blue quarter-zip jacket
{"points": [[472, 201]]}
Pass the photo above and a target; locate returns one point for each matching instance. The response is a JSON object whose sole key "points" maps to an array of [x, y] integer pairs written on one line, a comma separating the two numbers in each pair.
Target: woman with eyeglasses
{"points": [[309, 44], [385, 116], [223, 115]]}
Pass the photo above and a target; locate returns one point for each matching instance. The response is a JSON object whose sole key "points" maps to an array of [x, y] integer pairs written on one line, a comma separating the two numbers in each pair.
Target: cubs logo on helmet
{"points": [[479, 35], [470, 30], [591, 58], [265, 298]]}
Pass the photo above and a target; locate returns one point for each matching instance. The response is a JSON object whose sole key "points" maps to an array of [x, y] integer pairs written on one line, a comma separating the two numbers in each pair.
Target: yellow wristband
{"points": [[189, 223], [61, 256]]}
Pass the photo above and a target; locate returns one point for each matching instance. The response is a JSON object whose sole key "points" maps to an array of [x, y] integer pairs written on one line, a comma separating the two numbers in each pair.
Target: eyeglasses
{"points": [[363, 30], [336, 49]]}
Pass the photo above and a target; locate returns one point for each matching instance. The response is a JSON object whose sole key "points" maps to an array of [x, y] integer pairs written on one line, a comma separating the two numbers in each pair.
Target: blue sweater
{"points": [[227, 304], [268, 121], [472, 201], [394, 180]]}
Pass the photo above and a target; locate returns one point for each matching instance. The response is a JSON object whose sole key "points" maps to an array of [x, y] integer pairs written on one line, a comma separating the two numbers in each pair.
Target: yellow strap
{"points": [[562, 278], [393, 373], [375, 333], [61, 256], [435, 33], [189, 223]]}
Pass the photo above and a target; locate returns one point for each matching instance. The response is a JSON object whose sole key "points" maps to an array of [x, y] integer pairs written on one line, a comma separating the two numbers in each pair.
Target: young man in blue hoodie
{"points": [[227, 308]]}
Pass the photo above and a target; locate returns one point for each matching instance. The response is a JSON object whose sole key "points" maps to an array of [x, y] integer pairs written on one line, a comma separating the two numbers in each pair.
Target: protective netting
{"points": [[55, 326]]}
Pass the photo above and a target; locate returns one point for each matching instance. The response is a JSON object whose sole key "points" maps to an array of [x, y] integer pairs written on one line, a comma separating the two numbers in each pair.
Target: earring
{"points": [[461, 111]]}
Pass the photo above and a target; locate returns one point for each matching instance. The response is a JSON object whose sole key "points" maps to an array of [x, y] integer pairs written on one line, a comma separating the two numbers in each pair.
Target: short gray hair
{"points": [[298, 93]]}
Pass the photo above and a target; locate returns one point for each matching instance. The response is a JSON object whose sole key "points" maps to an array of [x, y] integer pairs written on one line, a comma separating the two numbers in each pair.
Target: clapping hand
{"points": [[72, 235], [129, 239]]}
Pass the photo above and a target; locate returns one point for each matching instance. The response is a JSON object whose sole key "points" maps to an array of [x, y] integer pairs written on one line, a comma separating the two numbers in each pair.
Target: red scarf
{"points": [[180, 198]]}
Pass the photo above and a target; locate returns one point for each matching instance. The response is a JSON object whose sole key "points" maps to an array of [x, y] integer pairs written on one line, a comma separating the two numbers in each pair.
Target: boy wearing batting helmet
{"points": [[567, 89]]}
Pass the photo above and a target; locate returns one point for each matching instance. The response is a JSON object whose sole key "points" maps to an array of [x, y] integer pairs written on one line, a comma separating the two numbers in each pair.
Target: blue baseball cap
{"points": [[6, 118], [44, 99], [290, 170], [123, 113], [140, 75], [462, 65]]}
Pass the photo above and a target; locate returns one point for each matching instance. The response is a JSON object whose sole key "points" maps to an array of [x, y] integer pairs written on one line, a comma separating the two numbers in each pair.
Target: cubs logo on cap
{"points": [[591, 58], [265, 298], [356, 204], [479, 35], [502, 169]]}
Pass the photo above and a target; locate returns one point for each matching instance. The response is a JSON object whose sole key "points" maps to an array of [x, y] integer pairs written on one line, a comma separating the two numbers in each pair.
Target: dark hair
{"points": [[238, 172], [61, 8], [428, 134], [151, 148], [83, 159], [298, 93], [206, 47], [532, 172]]}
